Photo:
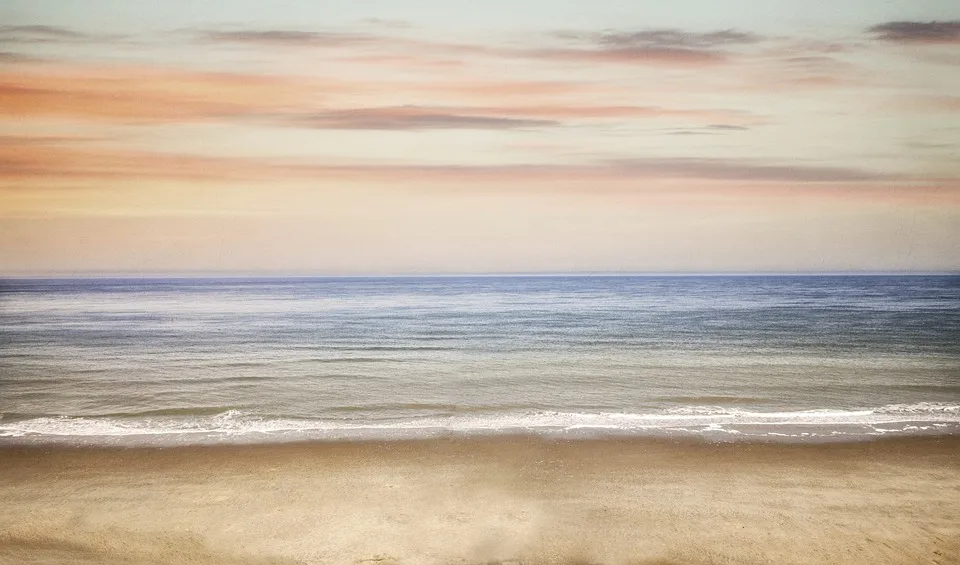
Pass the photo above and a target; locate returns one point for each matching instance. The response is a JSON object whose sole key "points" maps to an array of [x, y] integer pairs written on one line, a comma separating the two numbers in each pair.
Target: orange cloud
{"points": [[521, 88], [143, 94], [54, 160], [783, 77], [925, 103], [158, 95], [579, 111], [51, 162], [949, 103]]}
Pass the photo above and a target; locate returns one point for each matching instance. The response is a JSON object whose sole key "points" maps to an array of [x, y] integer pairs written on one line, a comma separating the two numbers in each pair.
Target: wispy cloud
{"points": [[743, 170], [726, 127], [41, 139], [928, 103], [39, 34], [388, 23], [793, 65], [918, 32], [143, 94], [146, 94], [512, 89], [652, 46], [928, 145], [287, 38], [413, 118], [675, 38], [712, 129], [55, 160], [8, 57], [39, 161], [632, 56]]}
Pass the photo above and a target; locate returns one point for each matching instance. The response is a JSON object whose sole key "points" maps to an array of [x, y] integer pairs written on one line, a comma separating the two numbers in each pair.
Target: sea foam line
{"points": [[237, 422]]}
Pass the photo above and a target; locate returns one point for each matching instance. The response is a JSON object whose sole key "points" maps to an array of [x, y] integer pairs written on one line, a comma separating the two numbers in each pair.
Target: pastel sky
{"points": [[445, 136]]}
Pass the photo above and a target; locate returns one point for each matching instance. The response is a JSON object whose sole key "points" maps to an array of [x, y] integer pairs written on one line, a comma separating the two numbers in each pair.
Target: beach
{"points": [[572, 420], [485, 500]]}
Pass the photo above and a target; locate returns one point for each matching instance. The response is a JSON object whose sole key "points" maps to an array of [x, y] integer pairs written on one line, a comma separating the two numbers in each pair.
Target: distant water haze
{"points": [[723, 357]]}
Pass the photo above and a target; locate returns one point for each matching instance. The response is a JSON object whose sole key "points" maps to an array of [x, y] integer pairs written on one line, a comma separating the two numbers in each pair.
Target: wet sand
{"points": [[485, 500]]}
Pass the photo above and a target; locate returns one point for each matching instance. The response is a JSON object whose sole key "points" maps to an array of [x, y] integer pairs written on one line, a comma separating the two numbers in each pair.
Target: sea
{"points": [[170, 361]]}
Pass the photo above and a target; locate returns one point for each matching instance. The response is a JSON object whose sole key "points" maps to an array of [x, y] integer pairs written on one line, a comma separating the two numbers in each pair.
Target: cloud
{"points": [[929, 103], [53, 160], [652, 46], [8, 57], [39, 34], [742, 170], [950, 103], [143, 94], [727, 127], [289, 38], [500, 89], [929, 145], [33, 34], [918, 32], [799, 66], [22, 140], [388, 23], [656, 46], [491, 117], [654, 56], [712, 129], [413, 118], [675, 38], [57, 160]]}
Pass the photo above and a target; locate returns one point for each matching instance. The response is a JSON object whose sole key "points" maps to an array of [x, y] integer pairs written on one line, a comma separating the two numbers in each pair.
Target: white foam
{"points": [[234, 424], [921, 408]]}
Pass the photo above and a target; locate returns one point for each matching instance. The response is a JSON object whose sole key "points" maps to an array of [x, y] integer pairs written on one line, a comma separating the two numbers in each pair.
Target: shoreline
{"points": [[686, 441], [711, 424], [13, 455], [516, 499]]}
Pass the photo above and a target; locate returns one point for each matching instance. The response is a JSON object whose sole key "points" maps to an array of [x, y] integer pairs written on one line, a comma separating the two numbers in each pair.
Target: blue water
{"points": [[201, 360]]}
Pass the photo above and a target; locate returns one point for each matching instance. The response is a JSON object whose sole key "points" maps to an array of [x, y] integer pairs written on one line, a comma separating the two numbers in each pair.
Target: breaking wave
{"points": [[238, 426]]}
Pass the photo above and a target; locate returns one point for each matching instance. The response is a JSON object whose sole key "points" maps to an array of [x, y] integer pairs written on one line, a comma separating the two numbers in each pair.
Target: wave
{"points": [[235, 425], [921, 408], [714, 399]]}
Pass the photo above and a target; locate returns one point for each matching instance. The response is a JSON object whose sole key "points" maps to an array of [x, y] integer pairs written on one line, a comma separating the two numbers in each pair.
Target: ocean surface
{"points": [[782, 358]]}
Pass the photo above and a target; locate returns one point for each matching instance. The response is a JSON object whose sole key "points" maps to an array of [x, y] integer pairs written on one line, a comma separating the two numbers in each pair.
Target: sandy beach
{"points": [[485, 500]]}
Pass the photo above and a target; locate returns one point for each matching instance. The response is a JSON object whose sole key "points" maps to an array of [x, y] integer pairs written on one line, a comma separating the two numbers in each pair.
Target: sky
{"points": [[445, 136]]}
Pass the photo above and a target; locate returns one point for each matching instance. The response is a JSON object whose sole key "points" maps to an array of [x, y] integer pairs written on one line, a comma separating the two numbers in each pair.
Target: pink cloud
{"points": [[142, 94]]}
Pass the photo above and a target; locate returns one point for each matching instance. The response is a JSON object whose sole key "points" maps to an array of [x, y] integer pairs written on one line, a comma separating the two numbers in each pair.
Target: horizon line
{"points": [[518, 274]]}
